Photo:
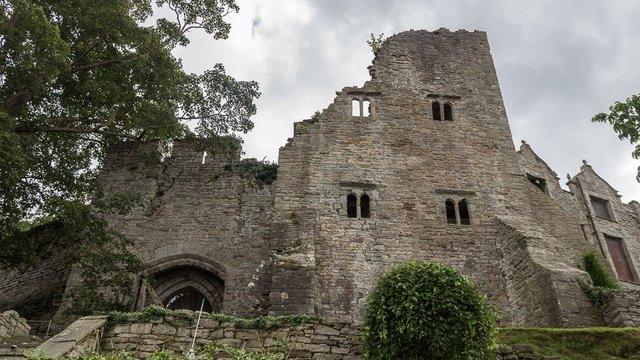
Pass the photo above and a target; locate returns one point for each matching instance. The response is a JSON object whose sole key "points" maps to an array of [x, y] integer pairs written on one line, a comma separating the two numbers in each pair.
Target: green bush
{"points": [[600, 276], [423, 310]]}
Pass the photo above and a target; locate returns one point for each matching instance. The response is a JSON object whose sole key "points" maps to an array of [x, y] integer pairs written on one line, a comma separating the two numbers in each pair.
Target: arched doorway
{"points": [[185, 287], [184, 282]]}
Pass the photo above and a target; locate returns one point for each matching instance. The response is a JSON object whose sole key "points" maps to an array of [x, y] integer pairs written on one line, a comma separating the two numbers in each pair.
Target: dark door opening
{"points": [[187, 298]]}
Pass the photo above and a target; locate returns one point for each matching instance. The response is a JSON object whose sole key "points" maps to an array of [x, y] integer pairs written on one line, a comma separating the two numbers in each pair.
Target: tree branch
{"points": [[27, 130]]}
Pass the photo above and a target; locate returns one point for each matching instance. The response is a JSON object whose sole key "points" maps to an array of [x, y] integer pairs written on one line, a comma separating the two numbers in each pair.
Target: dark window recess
{"points": [[448, 112], [451, 211], [463, 209], [435, 109], [352, 208], [540, 183], [620, 259], [601, 208], [365, 209]]}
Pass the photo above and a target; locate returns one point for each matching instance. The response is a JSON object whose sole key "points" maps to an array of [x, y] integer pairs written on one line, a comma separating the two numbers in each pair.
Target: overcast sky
{"points": [[558, 62]]}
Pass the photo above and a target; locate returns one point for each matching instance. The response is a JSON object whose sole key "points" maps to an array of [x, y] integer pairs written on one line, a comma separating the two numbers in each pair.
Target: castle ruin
{"points": [[418, 163]]}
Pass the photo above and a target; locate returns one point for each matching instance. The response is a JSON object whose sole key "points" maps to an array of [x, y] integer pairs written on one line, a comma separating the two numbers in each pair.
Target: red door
{"points": [[620, 261]]}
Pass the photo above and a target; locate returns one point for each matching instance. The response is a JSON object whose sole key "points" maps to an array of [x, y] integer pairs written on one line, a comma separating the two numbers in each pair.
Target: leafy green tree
{"points": [[424, 310], [625, 119], [77, 75]]}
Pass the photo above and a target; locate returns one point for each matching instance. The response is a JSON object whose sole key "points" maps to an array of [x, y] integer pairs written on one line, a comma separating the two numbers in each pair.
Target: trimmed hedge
{"points": [[424, 310]]}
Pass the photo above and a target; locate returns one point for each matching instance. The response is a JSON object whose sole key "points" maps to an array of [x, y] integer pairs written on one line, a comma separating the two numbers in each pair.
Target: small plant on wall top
{"points": [[424, 310]]}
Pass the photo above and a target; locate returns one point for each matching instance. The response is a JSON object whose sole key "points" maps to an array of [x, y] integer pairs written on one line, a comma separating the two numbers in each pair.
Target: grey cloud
{"points": [[558, 62]]}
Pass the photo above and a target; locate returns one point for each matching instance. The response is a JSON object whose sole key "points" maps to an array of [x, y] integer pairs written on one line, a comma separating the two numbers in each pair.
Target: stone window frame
{"points": [[361, 100], [358, 193], [628, 257], [612, 215], [441, 106], [457, 199]]}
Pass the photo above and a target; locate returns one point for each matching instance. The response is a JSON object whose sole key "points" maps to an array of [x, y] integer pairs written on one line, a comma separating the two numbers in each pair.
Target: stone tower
{"points": [[436, 132]]}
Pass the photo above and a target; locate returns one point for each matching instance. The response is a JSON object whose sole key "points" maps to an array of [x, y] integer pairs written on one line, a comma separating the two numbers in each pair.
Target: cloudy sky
{"points": [[558, 62]]}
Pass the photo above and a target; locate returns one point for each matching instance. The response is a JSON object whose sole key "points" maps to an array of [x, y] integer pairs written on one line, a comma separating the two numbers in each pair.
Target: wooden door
{"points": [[620, 260]]}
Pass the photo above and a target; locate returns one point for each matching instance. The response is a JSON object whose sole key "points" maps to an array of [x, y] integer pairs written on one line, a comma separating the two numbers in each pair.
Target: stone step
{"points": [[81, 331], [9, 351]]}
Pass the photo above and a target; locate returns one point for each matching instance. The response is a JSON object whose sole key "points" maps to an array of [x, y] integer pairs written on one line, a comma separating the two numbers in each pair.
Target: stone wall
{"points": [[34, 291], [12, 325], [305, 341], [624, 223], [408, 164], [205, 214], [621, 308]]}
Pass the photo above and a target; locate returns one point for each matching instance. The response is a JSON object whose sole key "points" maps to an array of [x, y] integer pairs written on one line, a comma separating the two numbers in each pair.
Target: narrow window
{"points": [[601, 208], [366, 108], [355, 107], [448, 112], [451, 211], [463, 209], [352, 208], [620, 259], [365, 208], [435, 109], [538, 182]]}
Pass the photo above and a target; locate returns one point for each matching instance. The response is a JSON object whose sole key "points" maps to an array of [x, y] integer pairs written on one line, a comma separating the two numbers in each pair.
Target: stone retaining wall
{"points": [[622, 308], [307, 341], [12, 325]]}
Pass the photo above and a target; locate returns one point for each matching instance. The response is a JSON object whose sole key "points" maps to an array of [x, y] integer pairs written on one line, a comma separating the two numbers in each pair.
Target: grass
{"points": [[577, 343]]}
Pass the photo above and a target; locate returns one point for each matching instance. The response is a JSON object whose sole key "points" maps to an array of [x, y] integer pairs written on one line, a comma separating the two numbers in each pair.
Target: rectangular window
{"points": [[620, 259], [601, 208]]}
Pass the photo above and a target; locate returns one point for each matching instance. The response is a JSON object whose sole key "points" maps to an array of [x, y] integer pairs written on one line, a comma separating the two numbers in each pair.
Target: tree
{"points": [[77, 75], [625, 119], [424, 310]]}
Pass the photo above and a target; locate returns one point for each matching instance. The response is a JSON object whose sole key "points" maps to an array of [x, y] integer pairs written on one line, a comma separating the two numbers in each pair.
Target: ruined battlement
{"points": [[418, 163]]}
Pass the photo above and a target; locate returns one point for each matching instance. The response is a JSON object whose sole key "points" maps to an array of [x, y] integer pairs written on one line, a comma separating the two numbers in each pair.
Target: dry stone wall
{"points": [[307, 341]]}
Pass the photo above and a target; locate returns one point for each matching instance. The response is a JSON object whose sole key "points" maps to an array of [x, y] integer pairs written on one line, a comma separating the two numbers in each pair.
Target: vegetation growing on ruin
{"points": [[376, 42], [155, 312], [426, 310], [264, 172], [601, 279]]}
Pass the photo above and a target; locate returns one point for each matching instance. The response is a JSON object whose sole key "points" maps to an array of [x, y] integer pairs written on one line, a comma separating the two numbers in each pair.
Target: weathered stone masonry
{"points": [[291, 247]]}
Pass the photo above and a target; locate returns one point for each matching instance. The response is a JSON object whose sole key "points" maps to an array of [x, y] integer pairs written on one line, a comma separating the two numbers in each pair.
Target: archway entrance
{"points": [[185, 287]]}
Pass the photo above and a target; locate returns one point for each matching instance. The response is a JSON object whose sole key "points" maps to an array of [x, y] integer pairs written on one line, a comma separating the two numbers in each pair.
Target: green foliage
{"points": [[155, 312], [577, 344], [264, 172], [376, 42], [625, 119], [601, 279], [424, 310], [146, 315], [214, 351], [76, 76], [265, 322], [599, 274]]}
